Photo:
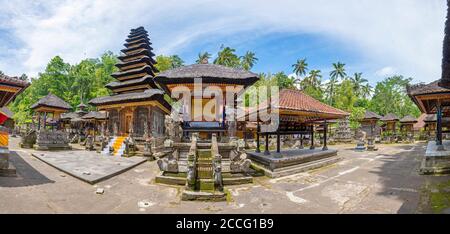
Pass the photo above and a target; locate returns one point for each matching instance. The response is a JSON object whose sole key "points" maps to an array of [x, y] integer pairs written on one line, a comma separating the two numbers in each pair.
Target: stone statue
{"points": [[239, 162], [191, 177], [90, 143], [361, 136], [218, 180], [29, 139]]}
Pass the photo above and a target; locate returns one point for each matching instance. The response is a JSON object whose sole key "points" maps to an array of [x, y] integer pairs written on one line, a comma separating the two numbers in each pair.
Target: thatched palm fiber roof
{"points": [[209, 73], [423, 89], [150, 94], [6, 82], [295, 100], [369, 115], [51, 101], [95, 115], [408, 119], [390, 117]]}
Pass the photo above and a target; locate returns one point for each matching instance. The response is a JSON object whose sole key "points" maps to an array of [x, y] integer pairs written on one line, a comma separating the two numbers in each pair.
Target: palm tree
{"points": [[227, 57], [366, 91], [338, 72], [203, 58], [313, 80], [358, 83], [300, 68], [248, 60]]}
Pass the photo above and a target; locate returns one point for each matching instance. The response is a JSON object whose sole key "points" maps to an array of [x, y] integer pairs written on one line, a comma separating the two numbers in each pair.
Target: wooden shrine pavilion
{"points": [[10, 87], [299, 114], [210, 75], [137, 102], [52, 107], [369, 123]]}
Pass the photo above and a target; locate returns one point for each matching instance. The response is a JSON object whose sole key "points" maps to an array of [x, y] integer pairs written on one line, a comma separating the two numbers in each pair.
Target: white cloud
{"points": [[404, 33], [386, 71]]}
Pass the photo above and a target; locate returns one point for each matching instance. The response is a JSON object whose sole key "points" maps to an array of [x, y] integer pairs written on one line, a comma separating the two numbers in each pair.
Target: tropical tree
{"points": [[248, 60], [338, 72], [300, 69], [227, 57], [203, 57], [164, 63], [313, 80], [358, 83]]}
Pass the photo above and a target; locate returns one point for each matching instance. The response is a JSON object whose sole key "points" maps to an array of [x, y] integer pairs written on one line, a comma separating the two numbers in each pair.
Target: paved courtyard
{"points": [[386, 181]]}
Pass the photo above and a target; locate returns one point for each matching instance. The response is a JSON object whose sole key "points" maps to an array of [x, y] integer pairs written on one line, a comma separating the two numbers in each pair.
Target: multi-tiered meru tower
{"points": [[137, 105]]}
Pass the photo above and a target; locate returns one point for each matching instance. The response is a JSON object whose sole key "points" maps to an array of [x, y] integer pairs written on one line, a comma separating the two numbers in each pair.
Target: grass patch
{"points": [[440, 197]]}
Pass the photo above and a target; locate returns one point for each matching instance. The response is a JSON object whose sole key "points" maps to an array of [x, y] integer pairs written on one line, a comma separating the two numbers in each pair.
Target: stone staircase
{"points": [[117, 143]]}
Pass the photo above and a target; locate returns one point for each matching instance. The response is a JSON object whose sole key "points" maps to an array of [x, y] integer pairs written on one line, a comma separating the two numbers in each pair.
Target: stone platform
{"points": [[6, 169], [436, 162], [291, 162], [88, 166]]}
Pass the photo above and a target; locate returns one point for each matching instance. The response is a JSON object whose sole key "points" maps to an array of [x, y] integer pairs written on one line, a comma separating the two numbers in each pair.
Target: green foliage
{"points": [[356, 114], [227, 57], [390, 97], [72, 83], [164, 63]]}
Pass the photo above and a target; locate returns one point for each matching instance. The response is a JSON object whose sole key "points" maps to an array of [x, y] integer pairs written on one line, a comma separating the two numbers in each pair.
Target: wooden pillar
{"points": [[312, 138], [301, 142], [325, 133], [39, 121], [267, 151], [45, 120], [278, 143], [258, 144], [439, 125]]}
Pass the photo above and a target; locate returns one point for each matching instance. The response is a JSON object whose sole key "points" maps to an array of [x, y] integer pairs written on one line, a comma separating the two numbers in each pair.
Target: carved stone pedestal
{"points": [[6, 169]]}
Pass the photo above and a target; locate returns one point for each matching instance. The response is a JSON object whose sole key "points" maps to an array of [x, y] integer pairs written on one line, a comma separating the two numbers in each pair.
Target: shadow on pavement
{"points": [[26, 174]]}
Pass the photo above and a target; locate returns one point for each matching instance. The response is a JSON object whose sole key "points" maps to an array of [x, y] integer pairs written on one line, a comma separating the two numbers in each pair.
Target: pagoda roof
{"points": [[140, 29], [208, 73], [144, 80], [369, 115], [145, 59], [52, 101], [423, 89], [148, 95], [136, 37], [140, 52], [145, 69], [95, 115], [389, 118], [137, 47], [141, 40], [408, 119], [10, 87]]}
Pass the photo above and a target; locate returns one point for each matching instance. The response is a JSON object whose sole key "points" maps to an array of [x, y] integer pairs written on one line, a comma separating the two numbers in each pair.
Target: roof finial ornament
{"points": [[204, 61]]}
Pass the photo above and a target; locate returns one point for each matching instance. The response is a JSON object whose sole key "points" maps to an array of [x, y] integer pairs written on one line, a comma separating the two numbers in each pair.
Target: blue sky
{"points": [[376, 37]]}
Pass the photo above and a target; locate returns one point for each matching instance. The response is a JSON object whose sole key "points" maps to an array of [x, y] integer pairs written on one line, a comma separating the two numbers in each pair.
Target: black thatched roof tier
{"points": [[134, 38], [148, 95], [133, 82], [52, 101], [139, 41], [137, 47], [423, 89], [390, 117], [137, 30], [208, 73], [148, 70], [369, 115], [138, 53], [95, 115], [145, 59], [70, 115], [408, 119]]}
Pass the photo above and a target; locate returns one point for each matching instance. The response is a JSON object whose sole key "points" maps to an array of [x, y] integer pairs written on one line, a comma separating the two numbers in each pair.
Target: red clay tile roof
{"points": [[298, 101]]}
